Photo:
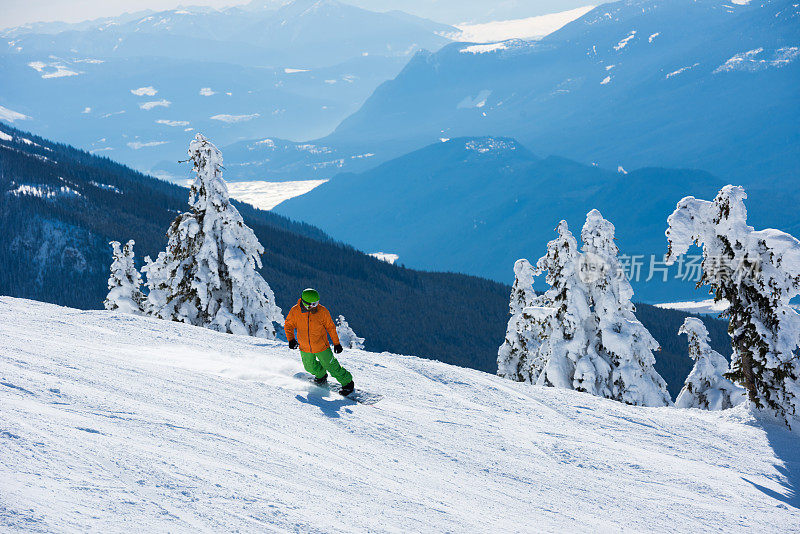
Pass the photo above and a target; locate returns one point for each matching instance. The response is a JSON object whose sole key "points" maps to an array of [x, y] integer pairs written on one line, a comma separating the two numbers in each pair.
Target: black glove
{"points": [[293, 344], [337, 348]]}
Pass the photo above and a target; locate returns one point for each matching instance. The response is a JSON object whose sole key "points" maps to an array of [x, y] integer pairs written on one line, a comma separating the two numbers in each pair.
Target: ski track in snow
{"points": [[110, 421]]}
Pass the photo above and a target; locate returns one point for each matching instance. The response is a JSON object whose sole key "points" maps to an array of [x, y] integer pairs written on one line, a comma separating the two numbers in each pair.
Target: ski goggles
{"points": [[310, 304]]}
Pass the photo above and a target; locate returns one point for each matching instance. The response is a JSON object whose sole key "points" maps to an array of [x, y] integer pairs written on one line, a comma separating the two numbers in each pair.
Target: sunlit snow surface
{"points": [[624, 42], [10, 115], [112, 422], [385, 256], [53, 69], [147, 106], [231, 119], [43, 191], [136, 145], [757, 59], [483, 48], [703, 307], [527, 28], [680, 71], [145, 91], [267, 195]]}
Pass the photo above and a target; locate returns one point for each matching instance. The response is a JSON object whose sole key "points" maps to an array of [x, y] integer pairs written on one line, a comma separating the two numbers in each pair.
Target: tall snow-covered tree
{"points": [[758, 272], [568, 353], [522, 337], [207, 276], [624, 341], [706, 386], [124, 282], [347, 336]]}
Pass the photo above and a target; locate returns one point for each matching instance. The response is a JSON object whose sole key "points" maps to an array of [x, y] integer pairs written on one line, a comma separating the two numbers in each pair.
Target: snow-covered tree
{"points": [[207, 276], [347, 336], [706, 386], [582, 333], [521, 334], [568, 353], [624, 341], [758, 272], [124, 282]]}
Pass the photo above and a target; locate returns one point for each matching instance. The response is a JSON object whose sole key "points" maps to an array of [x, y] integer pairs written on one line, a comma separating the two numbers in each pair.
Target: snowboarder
{"points": [[314, 324]]}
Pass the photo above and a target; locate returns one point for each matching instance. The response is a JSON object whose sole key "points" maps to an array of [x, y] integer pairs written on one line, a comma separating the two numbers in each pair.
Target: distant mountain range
{"points": [[311, 33], [477, 204], [689, 83], [134, 86], [472, 11], [637, 85]]}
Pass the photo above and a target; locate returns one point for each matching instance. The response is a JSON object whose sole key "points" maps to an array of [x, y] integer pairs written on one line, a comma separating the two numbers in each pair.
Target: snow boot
{"points": [[321, 381], [347, 389]]}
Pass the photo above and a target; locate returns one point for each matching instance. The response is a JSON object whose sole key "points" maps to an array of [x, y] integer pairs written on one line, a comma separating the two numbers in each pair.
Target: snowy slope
{"points": [[111, 423]]}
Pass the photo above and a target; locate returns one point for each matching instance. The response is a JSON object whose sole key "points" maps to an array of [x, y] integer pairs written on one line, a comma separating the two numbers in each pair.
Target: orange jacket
{"points": [[313, 328]]}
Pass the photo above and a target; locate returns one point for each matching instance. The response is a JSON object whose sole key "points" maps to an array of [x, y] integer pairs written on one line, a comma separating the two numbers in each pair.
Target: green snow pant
{"points": [[318, 363]]}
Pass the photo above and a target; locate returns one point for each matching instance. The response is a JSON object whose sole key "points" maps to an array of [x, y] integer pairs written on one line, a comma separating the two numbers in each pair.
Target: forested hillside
{"points": [[59, 208]]}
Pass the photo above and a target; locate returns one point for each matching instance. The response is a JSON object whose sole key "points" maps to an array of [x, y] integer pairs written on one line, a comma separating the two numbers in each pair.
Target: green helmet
{"points": [[310, 296]]}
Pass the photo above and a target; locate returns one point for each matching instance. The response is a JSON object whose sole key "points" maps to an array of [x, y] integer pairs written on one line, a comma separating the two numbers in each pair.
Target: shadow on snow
{"points": [[330, 408], [786, 446]]}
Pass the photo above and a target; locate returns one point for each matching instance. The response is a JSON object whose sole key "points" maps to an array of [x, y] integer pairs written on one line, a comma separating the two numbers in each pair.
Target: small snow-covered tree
{"points": [[758, 272], [207, 276], [568, 353], [706, 386], [521, 335], [347, 336], [624, 341], [124, 282]]}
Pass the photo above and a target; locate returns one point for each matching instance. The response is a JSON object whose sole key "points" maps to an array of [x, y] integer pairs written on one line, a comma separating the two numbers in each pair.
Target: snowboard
{"points": [[359, 395]]}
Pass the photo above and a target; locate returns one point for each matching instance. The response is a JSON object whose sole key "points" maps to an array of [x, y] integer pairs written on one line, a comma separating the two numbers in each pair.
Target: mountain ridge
{"points": [[477, 204]]}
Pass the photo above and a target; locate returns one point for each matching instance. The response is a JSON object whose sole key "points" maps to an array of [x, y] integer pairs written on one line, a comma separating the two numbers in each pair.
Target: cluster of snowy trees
{"points": [[758, 272], [582, 333], [207, 276]]}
